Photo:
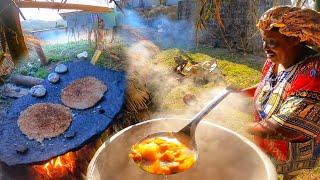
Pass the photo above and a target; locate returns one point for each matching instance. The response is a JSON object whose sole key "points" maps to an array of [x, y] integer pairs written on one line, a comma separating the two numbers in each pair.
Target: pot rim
{"points": [[270, 169]]}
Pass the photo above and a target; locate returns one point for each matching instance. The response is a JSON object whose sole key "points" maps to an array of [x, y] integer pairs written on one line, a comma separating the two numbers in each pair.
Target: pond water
{"points": [[56, 36]]}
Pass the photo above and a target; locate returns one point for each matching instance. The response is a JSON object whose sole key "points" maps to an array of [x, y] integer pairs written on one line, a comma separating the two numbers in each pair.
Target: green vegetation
{"points": [[239, 71], [67, 52], [41, 73]]}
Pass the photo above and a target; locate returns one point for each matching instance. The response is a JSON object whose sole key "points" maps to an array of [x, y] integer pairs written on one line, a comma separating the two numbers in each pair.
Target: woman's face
{"points": [[278, 47]]}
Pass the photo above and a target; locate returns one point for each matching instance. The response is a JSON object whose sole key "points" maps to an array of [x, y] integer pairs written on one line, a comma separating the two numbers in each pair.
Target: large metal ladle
{"points": [[187, 134]]}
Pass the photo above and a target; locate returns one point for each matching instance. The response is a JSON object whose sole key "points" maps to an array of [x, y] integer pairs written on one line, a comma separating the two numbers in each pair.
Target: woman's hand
{"points": [[272, 131]]}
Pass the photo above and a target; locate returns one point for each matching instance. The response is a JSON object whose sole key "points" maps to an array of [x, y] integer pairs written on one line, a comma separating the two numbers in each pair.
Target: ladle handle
{"points": [[191, 127]]}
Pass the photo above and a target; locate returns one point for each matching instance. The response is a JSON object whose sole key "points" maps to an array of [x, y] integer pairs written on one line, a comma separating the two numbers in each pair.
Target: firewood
{"points": [[27, 81]]}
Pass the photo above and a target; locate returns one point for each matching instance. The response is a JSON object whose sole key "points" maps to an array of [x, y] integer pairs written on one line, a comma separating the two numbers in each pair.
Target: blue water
{"points": [[57, 36]]}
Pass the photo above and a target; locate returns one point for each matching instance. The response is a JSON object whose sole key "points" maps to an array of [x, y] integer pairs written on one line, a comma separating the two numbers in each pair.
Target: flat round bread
{"points": [[43, 120], [83, 93]]}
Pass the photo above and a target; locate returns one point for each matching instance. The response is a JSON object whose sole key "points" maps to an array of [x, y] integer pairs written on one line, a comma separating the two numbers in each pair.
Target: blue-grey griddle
{"points": [[86, 124]]}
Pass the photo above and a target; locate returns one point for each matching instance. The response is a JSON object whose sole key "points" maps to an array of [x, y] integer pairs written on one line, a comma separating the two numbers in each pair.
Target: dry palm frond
{"points": [[137, 95], [209, 9]]}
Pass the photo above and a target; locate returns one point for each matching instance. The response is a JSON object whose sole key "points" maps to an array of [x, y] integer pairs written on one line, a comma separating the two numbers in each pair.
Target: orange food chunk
{"points": [[162, 155], [136, 156], [174, 167], [149, 151], [163, 147], [168, 156]]}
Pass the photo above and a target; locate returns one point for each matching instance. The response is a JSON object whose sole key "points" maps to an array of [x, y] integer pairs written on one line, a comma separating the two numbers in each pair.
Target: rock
{"points": [[12, 91], [53, 77], [38, 91], [17, 89], [101, 111], [190, 99], [70, 135], [61, 68], [84, 54], [21, 149]]}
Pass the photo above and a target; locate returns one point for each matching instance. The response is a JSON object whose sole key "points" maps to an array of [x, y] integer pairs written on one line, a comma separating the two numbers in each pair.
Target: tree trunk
{"points": [[317, 5], [12, 30]]}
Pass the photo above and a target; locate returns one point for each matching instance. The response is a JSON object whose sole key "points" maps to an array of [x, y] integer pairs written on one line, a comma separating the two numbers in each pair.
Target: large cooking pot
{"points": [[223, 154]]}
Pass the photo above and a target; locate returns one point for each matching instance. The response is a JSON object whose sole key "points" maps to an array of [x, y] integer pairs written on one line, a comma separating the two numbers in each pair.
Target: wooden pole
{"points": [[10, 20], [56, 5]]}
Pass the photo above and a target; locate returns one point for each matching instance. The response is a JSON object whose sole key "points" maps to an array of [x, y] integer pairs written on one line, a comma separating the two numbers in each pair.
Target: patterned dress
{"points": [[291, 100]]}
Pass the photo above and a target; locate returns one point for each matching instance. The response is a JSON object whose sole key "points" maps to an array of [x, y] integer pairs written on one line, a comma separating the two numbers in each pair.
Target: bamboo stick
{"points": [[56, 5]]}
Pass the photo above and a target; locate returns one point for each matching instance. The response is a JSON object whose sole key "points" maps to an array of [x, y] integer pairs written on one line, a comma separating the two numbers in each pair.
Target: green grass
{"points": [[68, 51], [41, 73]]}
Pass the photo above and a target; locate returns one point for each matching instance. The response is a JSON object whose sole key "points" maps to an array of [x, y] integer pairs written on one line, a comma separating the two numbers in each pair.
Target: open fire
{"points": [[72, 165], [58, 167]]}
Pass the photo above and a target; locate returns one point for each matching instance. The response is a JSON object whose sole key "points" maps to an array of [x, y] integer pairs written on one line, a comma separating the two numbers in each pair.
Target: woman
{"points": [[287, 100]]}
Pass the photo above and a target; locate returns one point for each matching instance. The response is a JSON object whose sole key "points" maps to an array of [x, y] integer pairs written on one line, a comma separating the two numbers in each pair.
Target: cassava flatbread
{"points": [[43, 120], [83, 93]]}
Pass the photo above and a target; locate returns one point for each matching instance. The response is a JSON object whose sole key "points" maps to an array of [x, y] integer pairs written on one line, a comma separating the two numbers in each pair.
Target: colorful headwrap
{"points": [[293, 22]]}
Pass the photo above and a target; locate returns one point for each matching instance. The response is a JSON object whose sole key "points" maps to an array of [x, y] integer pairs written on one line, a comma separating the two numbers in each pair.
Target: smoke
{"points": [[168, 92], [162, 30]]}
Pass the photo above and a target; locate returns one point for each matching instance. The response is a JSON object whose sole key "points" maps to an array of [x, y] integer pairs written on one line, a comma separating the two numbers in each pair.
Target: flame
{"points": [[58, 167]]}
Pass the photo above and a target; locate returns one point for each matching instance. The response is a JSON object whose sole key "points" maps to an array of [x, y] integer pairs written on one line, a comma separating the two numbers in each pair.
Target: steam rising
{"points": [[234, 112], [161, 30]]}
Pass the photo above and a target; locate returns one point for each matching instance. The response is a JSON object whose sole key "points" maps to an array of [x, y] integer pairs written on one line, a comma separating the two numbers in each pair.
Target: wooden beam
{"points": [[56, 5]]}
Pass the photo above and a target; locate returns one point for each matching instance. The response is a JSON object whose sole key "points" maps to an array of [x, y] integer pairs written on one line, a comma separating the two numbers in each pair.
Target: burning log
{"points": [[58, 167], [27, 81]]}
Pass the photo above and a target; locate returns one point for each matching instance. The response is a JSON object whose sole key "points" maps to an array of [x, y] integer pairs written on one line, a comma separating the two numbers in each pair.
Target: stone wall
{"points": [[239, 18]]}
